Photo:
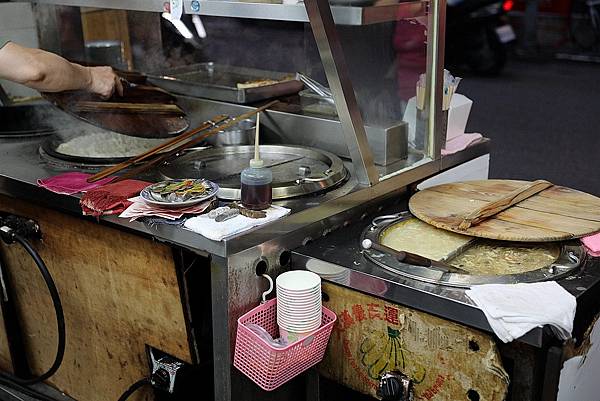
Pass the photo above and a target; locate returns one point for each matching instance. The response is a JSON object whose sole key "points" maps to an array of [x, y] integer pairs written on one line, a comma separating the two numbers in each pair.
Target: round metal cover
{"points": [[296, 170], [566, 258]]}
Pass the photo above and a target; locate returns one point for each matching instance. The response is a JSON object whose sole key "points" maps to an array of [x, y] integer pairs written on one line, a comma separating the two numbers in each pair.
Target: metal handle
{"points": [[317, 178], [314, 86], [267, 292], [375, 222]]}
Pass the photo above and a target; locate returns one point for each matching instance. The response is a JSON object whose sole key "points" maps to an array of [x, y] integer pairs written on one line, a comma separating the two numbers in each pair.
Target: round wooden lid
{"points": [[555, 214]]}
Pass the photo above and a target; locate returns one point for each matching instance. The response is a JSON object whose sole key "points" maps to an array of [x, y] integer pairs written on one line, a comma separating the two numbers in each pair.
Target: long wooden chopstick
{"points": [[165, 156], [151, 152]]}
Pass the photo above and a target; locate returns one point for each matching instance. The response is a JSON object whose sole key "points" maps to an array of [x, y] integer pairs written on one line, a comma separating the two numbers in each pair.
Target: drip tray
{"points": [[297, 170], [487, 261]]}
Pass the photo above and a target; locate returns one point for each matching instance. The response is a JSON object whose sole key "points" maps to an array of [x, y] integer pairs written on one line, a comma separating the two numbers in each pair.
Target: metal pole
{"points": [[435, 75], [334, 63], [220, 329]]}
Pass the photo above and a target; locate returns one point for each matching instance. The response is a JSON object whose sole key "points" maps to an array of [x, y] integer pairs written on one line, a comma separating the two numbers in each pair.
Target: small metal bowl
{"points": [[240, 134]]}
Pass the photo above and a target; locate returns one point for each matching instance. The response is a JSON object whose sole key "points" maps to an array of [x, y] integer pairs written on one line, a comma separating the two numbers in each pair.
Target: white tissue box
{"points": [[458, 115]]}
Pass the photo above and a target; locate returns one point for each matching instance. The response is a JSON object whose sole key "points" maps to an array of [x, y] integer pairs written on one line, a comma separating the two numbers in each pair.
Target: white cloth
{"points": [[218, 231], [514, 309]]}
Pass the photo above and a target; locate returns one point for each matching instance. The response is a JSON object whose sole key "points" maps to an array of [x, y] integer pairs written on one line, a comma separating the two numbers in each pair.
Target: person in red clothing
{"points": [[410, 43], [48, 72]]}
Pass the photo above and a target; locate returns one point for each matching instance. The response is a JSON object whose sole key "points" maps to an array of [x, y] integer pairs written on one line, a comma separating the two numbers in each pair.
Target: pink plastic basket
{"points": [[270, 367]]}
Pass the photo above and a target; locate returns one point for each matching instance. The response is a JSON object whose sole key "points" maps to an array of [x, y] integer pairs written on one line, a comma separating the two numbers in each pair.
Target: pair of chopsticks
{"points": [[173, 151], [149, 153]]}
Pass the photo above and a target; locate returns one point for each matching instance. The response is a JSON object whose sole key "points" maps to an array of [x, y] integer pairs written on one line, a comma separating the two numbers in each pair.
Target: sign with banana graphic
{"points": [[444, 360]]}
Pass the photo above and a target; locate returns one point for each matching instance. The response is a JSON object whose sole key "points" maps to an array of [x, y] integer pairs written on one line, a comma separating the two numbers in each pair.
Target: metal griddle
{"points": [[570, 257], [296, 170], [49, 147], [219, 82]]}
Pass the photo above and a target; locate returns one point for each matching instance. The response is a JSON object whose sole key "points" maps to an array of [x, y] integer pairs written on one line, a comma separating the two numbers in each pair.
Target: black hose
{"points": [[133, 388], [60, 317], [21, 385], [17, 383]]}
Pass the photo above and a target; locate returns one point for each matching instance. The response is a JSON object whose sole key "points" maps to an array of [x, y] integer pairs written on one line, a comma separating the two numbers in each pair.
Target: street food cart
{"points": [[134, 292]]}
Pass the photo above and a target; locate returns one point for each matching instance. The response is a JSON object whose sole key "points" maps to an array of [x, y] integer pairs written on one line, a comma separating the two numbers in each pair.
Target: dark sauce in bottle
{"points": [[257, 197], [256, 186]]}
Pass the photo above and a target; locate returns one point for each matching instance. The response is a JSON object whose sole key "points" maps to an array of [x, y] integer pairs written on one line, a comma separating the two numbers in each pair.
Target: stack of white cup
{"points": [[299, 304]]}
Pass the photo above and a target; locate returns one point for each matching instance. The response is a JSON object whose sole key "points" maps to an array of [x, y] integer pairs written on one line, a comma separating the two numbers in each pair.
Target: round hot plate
{"points": [[296, 170], [485, 261], [98, 149]]}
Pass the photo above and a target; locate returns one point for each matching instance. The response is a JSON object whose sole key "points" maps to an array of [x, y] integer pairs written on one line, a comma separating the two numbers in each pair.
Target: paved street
{"points": [[543, 119]]}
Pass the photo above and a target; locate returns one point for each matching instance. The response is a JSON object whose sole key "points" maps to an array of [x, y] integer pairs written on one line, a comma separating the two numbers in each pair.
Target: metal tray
{"points": [[219, 82]]}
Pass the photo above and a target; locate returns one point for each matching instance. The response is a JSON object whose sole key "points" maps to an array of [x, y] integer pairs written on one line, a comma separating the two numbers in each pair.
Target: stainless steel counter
{"points": [[21, 166]]}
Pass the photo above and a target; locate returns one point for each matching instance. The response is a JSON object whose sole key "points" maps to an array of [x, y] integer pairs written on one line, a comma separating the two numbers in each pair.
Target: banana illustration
{"points": [[371, 348], [382, 363], [381, 353]]}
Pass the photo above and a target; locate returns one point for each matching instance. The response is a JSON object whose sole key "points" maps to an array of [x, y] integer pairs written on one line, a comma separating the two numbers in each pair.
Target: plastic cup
{"points": [[290, 337]]}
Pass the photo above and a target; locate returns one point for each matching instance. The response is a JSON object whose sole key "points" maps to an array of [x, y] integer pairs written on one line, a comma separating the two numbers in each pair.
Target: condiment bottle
{"points": [[256, 180]]}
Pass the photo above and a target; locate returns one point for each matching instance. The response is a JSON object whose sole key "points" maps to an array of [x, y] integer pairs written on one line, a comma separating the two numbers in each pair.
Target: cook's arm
{"points": [[48, 72]]}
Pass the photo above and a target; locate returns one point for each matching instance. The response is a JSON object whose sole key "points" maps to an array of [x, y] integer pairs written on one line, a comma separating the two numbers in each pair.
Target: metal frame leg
{"points": [[312, 385], [552, 368], [220, 329]]}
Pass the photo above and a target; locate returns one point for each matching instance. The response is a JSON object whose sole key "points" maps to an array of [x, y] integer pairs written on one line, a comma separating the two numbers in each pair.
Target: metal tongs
{"points": [[316, 87]]}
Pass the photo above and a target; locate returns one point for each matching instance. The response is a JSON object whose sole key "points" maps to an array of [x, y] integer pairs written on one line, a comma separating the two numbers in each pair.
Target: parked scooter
{"points": [[477, 33]]}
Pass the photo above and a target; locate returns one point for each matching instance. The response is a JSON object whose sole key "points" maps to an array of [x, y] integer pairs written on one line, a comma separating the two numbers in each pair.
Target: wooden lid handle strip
{"points": [[508, 200]]}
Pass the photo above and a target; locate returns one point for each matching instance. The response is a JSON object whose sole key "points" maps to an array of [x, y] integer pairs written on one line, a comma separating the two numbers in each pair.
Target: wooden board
{"points": [[119, 292], [555, 214], [445, 360]]}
